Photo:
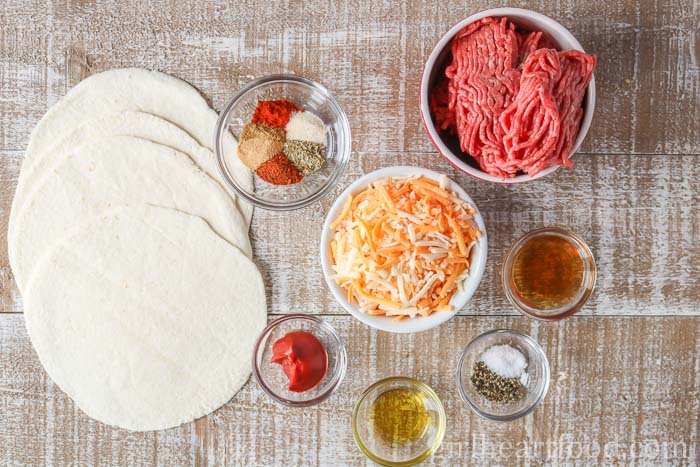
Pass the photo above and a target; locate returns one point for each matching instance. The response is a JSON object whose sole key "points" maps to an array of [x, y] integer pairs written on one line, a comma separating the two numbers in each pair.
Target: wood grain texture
{"points": [[625, 386], [369, 54], [609, 375], [638, 214]]}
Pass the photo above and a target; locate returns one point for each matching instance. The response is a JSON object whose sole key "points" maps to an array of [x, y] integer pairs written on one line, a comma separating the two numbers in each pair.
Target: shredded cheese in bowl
{"points": [[402, 246]]}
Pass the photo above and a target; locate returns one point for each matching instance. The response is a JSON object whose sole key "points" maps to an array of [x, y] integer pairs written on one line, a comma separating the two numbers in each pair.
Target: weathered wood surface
{"points": [[639, 215], [370, 54], [624, 390], [626, 383]]}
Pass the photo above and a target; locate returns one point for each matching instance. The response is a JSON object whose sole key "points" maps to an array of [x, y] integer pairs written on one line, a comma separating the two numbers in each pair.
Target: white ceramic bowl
{"points": [[419, 323], [525, 19]]}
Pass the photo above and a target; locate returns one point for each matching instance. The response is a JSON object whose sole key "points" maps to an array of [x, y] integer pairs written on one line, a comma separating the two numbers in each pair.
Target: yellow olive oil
{"points": [[400, 416]]}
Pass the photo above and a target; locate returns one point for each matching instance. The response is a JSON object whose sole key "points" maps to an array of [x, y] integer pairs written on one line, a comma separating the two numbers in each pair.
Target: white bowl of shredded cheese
{"points": [[406, 316]]}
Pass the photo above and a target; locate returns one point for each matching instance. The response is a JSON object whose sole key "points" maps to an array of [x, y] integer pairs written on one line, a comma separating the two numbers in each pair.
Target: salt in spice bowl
{"points": [[310, 96], [537, 375]]}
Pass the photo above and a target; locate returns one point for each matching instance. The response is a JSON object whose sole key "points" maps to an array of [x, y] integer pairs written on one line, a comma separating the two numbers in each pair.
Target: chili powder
{"points": [[278, 170]]}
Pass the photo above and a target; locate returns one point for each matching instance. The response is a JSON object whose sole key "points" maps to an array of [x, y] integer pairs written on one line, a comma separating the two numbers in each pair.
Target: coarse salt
{"points": [[506, 362], [306, 126]]}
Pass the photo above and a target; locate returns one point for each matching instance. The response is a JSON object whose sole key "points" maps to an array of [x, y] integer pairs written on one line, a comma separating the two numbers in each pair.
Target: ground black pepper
{"points": [[496, 388]]}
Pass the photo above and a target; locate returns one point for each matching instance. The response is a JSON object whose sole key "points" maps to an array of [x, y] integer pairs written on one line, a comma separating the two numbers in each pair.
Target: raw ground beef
{"points": [[513, 100]]}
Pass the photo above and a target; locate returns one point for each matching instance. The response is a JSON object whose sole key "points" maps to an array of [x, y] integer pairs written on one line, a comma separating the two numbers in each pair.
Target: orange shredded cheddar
{"points": [[400, 247]]}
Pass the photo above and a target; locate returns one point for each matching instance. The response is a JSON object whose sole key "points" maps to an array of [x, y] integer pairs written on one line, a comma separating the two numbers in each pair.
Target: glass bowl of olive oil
{"points": [[399, 421], [549, 274]]}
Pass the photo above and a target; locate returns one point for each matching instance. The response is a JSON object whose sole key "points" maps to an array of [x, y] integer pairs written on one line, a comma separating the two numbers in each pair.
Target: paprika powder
{"points": [[274, 113]]}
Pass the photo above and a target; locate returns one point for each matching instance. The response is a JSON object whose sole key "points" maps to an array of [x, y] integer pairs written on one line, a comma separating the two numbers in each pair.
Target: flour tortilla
{"points": [[137, 89], [115, 171], [145, 317], [126, 123]]}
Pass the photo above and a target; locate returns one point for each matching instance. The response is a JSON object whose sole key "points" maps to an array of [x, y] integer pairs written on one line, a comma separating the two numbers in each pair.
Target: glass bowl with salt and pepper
{"points": [[503, 375]]}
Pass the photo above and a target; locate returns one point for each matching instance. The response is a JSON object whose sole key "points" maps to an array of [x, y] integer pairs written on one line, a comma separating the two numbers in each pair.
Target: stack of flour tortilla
{"points": [[132, 256]]}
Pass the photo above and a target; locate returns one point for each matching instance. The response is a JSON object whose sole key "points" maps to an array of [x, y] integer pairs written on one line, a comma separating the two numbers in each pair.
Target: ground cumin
{"points": [[279, 171], [261, 130], [253, 152]]}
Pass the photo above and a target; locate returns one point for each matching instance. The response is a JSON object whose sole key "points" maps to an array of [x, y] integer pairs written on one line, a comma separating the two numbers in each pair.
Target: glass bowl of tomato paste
{"points": [[306, 96], [299, 360]]}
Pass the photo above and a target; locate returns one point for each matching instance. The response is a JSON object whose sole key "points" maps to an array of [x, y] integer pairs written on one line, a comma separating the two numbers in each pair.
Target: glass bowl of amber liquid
{"points": [[399, 421], [549, 274], [312, 97]]}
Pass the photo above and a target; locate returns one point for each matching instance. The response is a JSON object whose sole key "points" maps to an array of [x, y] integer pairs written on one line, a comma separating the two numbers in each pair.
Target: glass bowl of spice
{"points": [[299, 360], [292, 135], [549, 274], [399, 421], [503, 375]]}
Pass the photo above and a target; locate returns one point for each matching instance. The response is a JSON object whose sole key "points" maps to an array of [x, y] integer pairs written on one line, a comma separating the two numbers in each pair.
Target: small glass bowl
{"points": [[384, 453], [271, 377], [538, 375], [306, 94], [587, 282]]}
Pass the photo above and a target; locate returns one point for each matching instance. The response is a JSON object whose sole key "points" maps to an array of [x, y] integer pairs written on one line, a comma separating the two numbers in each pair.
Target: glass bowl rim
{"points": [[521, 413], [425, 389], [587, 286], [344, 152], [337, 377]]}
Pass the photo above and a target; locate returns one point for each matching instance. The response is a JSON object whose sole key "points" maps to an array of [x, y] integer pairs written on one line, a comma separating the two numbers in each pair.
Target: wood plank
{"points": [[10, 298], [637, 213], [626, 385], [41, 425], [370, 55]]}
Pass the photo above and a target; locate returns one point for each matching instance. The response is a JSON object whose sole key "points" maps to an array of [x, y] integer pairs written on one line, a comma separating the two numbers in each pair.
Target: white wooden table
{"points": [[626, 370]]}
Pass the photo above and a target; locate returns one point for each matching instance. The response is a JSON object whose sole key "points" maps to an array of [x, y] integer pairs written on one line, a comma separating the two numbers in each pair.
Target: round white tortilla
{"points": [[145, 317], [120, 170], [126, 123], [136, 89]]}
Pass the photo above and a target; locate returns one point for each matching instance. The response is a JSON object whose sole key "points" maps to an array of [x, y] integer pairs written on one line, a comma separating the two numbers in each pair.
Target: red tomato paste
{"points": [[303, 359]]}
